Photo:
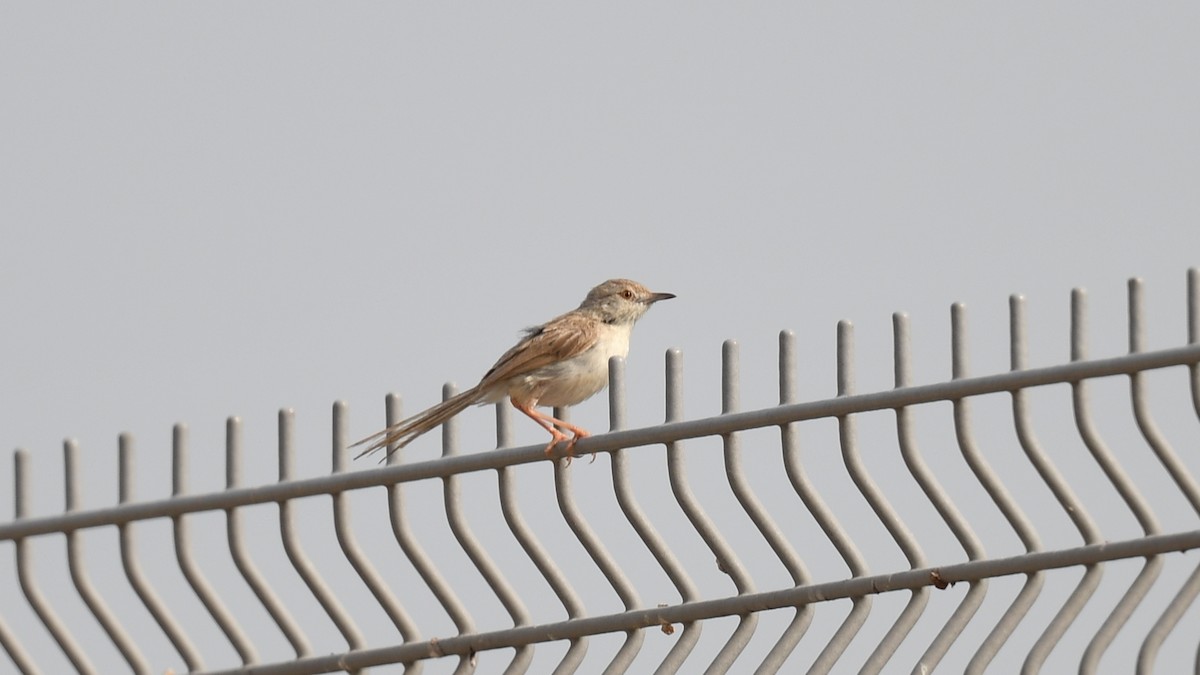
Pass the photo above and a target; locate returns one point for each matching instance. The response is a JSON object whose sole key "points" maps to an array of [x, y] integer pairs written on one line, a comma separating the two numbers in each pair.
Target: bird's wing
{"points": [[557, 340]]}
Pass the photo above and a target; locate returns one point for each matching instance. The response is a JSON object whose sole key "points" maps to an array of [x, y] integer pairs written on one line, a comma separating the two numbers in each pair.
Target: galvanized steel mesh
{"points": [[1009, 521]]}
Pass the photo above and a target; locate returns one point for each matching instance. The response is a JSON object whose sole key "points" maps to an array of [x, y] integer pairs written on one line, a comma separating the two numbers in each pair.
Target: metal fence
{"points": [[990, 545]]}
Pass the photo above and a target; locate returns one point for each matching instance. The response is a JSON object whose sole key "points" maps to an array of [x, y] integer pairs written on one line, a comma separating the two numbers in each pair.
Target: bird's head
{"points": [[621, 301]]}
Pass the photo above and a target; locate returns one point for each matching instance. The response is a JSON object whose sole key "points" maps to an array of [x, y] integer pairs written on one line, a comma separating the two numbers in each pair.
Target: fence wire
{"points": [[804, 557]]}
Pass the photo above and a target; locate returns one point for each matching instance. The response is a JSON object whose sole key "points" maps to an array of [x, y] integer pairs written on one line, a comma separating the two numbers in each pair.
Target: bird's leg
{"points": [[549, 423], [533, 414]]}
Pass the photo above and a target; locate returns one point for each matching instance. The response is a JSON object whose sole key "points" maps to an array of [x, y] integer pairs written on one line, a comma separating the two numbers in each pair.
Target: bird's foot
{"points": [[556, 438], [579, 433]]}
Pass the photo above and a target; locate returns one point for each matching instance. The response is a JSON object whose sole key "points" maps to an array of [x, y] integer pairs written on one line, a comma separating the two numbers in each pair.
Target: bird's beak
{"points": [[655, 297]]}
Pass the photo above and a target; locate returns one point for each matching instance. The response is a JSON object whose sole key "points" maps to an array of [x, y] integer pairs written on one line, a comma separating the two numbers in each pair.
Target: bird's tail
{"points": [[404, 432]]}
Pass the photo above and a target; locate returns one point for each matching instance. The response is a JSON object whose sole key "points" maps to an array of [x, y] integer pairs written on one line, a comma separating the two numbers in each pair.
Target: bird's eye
{"points": [[627, 294]]}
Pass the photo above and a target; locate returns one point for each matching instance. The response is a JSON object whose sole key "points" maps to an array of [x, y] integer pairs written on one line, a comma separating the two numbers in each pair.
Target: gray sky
{"points": [[214, 209]]}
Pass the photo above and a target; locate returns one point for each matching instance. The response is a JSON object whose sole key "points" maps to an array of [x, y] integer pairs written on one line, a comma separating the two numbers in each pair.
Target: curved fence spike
{"points": [[1000, 496], [1124, 485], [237, 548], [183, 554], [33, 594], [133, 570], [887, 515], [405, 625], [599, 554], [291, 542], [828, 522], [641, 524], [937, 496], [726, 560], [402, 531], [1053, 478], [452, 501], [79, 576], [750, 503]]}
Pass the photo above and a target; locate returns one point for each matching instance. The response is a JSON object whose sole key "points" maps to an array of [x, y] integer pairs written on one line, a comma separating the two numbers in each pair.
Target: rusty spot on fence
{"points": [[936, 579], [665, 626]]}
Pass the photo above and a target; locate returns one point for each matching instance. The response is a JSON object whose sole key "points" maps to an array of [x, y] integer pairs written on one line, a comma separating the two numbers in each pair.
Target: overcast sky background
{"points": [[225, 209]]}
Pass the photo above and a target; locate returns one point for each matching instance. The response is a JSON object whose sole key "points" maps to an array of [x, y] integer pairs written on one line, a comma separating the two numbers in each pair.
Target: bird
{"points": [[560, 363]]}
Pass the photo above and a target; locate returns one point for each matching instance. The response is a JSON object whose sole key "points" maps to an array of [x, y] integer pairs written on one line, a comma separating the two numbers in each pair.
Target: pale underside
{"points": [[557, 366]]}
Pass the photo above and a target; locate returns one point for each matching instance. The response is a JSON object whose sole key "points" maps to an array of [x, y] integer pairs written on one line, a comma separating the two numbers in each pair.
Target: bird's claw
{"points": [[555, 440], [571, 447], [570, 453]]}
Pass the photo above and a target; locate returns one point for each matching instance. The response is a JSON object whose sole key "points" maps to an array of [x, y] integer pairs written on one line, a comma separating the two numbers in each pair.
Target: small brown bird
{"points": [[559, 363]]}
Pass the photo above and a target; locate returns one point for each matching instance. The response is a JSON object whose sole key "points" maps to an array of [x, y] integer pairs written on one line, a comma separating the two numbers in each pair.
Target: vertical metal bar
{"points": [[1141, 410], [1041, 462], [1193, 300], [727, 560], [1193, 321], [596, 551], [108, 621], [33, 594], [504, 437], [826, 519], [1087, 430], [291, 544], [349, 545], [625, 656], [452, 496], [537, 553], [523, 656], [996, 491], [641, 524], [425, 567], [1061, 490], [133, 570], [1124, 486], [932, 488], [183, 554], [887, 515], [1171, 615], [237, 550], [1191, 589], [735, 473]]}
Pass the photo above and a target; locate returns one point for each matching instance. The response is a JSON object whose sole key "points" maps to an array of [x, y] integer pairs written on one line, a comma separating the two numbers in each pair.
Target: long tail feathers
{"points": [[404, 432]]}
